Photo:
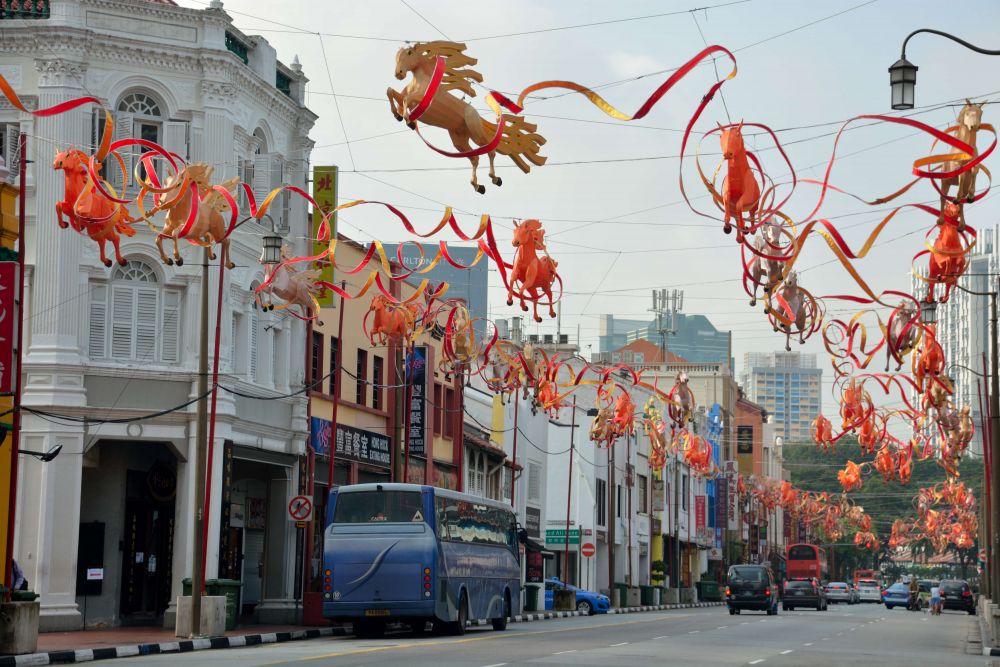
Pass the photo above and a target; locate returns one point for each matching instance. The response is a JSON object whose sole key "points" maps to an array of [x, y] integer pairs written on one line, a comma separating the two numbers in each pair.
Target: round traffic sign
{"points": [[300, 508], [588, 549]]}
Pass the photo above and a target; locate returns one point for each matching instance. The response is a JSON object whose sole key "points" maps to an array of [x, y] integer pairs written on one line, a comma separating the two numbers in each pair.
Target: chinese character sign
{"points": [[699, 513], [416, 372], [325, 194], [351, 443]]}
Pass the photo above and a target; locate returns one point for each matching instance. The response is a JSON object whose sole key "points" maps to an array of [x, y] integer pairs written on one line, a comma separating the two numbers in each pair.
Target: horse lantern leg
{"points": [[159, 246], [115, 241], [395, 103]]}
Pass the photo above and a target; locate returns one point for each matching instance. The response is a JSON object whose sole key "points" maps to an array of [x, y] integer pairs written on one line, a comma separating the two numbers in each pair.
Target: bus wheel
{"points": [[458, 627], [501, 623]]}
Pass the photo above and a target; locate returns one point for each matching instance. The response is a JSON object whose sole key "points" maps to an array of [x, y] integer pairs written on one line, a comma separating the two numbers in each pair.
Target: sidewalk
{"points": [[89, 645]]}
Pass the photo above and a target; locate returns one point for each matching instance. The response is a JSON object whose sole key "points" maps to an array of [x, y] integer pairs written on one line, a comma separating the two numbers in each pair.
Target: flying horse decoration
{"points": [[438, 69]]}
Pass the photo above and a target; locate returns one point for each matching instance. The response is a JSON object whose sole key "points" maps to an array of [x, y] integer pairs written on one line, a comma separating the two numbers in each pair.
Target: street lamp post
{"points": [[903, 73]]}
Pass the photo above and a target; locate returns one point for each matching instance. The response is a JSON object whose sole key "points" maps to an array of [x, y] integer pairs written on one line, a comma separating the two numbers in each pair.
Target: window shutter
{"points": [[171, 325], [279, 207], [278, 371], [232, 343], [122, 324], [175, 138], [534, 482], [97, 339], [96, 129], [254, 337], [12, 149], [112, 171], [261, 178], [146, 320]]}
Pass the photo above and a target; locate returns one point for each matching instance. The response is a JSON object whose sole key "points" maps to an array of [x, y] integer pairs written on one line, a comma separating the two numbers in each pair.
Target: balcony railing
{"points": [[24, 9], [236, 46]]}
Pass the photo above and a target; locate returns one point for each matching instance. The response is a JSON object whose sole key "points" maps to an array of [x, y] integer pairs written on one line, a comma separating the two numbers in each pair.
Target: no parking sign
{"points": [[300, 508]]}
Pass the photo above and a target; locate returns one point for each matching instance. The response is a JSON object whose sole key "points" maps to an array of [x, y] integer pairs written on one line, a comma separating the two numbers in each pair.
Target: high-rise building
{"points": [[963, 327], [787, 385], [469, 284], [695, 338]]}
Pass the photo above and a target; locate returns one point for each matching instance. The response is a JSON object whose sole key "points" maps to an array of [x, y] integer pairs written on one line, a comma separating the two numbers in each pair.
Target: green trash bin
{"points": [[231, 589], [646, 595], [708, 591], [622, 594], [228, 587]]}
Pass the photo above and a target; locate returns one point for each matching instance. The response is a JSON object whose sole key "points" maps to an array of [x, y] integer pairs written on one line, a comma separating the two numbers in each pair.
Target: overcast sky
{"points": [[615, 218]]}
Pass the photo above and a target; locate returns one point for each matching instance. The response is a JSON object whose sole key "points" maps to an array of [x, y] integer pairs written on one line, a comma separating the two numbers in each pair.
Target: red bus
{"points": [[806, 561], [871, 575]]}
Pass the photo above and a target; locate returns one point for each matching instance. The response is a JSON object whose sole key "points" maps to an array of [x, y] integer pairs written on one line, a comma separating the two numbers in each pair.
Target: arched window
{"points": [[140, 104], [133, 317]]}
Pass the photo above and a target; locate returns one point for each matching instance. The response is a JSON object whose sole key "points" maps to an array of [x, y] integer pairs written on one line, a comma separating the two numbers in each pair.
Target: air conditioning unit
{"points": [[547, 338], [563, 339], [532, 338]]}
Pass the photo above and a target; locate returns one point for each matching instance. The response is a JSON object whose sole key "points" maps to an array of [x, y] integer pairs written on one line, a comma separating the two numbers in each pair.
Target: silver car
{"points": [[838, 591]]}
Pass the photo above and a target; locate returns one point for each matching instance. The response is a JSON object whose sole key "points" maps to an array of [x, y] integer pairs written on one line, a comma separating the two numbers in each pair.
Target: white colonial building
{"points": [[104, 345]]}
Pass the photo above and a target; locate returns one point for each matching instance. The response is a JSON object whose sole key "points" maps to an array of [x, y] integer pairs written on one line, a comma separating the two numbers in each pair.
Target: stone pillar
{"points": [[277, 604], [49, 493]]}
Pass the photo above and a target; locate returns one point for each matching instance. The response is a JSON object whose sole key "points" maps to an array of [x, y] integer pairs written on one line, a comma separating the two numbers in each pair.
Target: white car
{"points": [[869, 591], [839, 591]]}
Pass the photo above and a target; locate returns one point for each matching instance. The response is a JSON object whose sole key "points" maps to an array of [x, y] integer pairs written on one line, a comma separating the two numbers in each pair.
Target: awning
{"points": [[531, 545]]}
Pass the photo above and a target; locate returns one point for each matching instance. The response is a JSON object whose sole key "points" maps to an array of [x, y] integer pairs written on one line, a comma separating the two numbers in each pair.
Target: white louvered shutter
{"points": [[232, 343], [95, 129], [147, 315], [277, 177], [122, 321], [124, 128], [12, 149], [175, 138], [261, 178], [254, 339], [171, 325], [98, 329]]}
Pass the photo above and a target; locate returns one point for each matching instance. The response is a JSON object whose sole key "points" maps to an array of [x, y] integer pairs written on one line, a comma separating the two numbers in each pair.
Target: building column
{"points": [[277, 605], [48, 515]]}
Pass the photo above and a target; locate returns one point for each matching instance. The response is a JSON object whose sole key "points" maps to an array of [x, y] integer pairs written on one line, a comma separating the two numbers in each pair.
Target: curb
{"points": [[189, 645]]}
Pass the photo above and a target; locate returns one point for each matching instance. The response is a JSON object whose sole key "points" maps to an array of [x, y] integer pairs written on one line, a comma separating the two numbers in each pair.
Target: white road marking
{"points": [[694, 632], [497, 664], [722, 627], [786, 652], [840, 634], [660, 637], [745, 623], [620, 644], [561, 652], [754, 662], [826, 639], [808, 644]]}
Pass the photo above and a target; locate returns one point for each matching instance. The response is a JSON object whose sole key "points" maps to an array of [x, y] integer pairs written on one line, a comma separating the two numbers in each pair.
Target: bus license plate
{"points": [[376, 612]]}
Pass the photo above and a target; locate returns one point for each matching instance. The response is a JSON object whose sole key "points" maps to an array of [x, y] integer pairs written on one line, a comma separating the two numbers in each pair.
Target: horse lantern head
{"points": [[952, 214], [971, 115], [70, 159], [407, 59], [528, 232], [792, 281], [907, 309], [682, 377], [731, 140]]}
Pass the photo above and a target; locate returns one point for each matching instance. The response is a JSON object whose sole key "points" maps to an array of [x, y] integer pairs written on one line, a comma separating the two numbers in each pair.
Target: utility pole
{"points": [[994, 451], [198, 546], [669, 304], [569, 488]]}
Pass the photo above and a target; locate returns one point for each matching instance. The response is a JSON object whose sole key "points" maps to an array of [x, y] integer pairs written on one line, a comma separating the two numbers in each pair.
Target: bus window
{"points": [[379, 507]]}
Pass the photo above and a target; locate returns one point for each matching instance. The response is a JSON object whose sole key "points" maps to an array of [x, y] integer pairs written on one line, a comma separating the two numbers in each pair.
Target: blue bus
{"points": [[406, 553]]}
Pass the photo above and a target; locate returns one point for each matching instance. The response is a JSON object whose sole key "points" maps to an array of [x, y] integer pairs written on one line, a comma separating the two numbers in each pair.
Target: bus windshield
{"points": [[802, 552], [379, 507]]}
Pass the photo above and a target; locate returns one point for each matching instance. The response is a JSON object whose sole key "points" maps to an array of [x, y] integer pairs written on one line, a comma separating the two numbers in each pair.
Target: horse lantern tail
{"points": [[519, 141]]}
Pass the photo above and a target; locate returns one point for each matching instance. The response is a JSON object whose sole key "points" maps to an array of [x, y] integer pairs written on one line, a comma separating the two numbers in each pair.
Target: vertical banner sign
{"points": [[8, 376], [732, 476], [699, 515], [786, 528], [228, 556], [416, 371], [721, 502], [8, 320], [325, 194]]}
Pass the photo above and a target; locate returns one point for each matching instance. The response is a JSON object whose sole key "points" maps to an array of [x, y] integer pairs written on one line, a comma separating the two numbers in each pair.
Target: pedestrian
{"points": [[936, 600], [19, 583], [914, 593]]}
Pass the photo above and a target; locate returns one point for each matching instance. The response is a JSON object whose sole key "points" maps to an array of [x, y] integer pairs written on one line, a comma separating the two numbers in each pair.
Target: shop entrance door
{"points": [[253, 567], [147, 547]]}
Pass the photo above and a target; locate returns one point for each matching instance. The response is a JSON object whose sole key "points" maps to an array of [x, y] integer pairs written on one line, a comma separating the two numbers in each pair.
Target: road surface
{"points": [[855, 635]]}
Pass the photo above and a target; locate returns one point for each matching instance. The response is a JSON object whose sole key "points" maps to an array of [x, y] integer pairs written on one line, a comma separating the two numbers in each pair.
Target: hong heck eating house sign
{"points": [[353, 444]]}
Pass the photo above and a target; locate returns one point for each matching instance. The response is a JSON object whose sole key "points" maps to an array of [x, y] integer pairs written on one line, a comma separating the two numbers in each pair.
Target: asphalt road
{"points": [[845, 635]]}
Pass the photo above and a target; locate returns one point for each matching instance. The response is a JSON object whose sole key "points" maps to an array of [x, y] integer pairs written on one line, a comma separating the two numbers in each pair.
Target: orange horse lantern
{"points": [[822, 432], [947, 260], [740, 191], [531, 275], [930, 361], [392, 321], [104, 221]]}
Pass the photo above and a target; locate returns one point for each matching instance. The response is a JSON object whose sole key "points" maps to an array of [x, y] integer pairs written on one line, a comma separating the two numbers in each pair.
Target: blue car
{"points": [[586, 601], [897, 595]]}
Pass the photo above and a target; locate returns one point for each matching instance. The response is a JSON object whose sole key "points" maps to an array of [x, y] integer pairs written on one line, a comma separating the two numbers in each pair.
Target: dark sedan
{"points": [[803, 593], [956, 594]]}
